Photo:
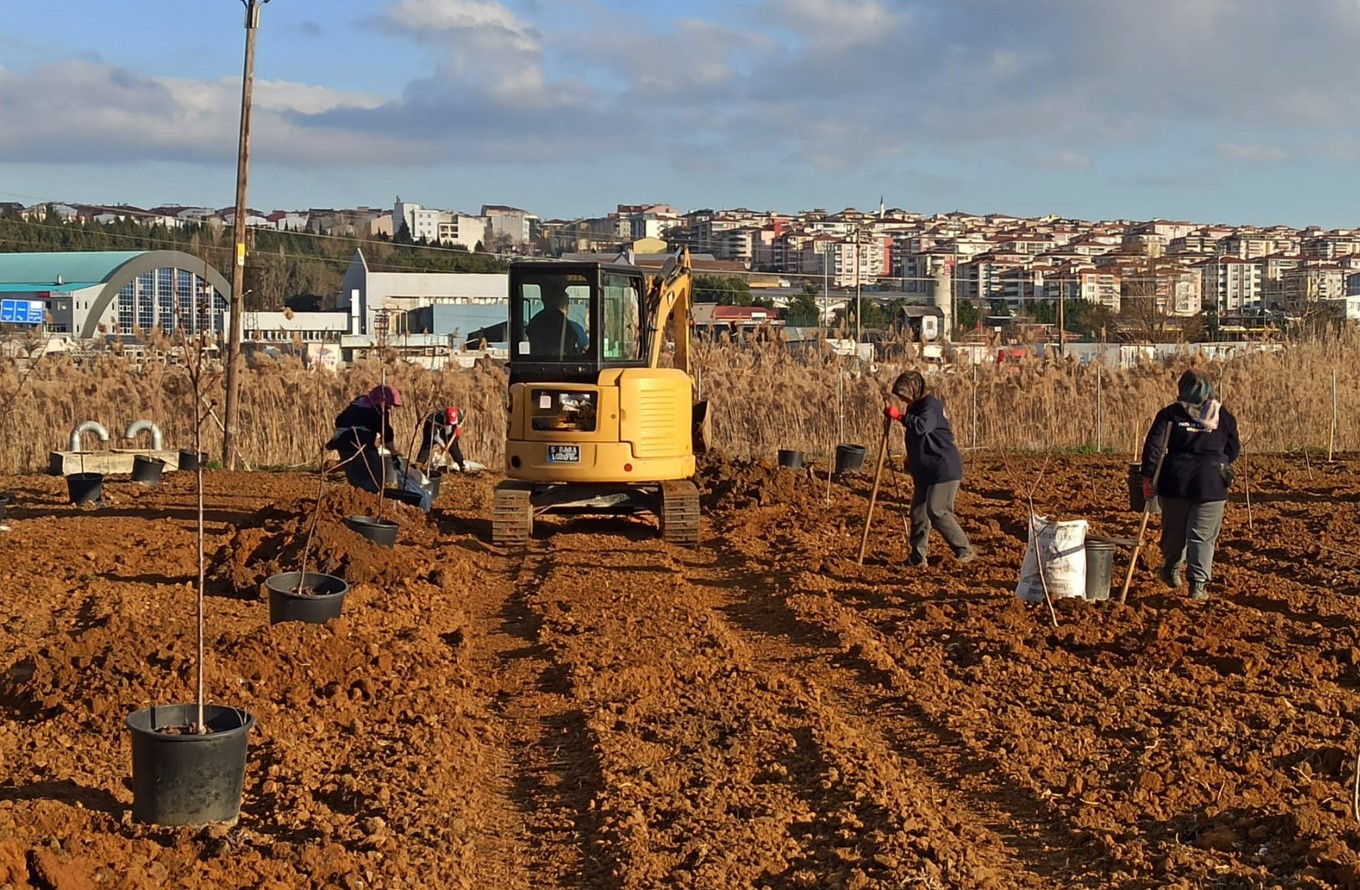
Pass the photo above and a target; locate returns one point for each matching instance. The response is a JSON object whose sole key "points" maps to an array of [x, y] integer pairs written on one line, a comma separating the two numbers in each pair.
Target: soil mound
{"points": [[281, 538]]}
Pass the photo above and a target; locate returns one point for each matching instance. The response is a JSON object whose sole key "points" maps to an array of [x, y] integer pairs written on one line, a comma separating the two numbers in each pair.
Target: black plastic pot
{"points": [[322, 601], [379, 531], [185, 779], [1136, 499], [85, 488], [791, 460], [147, 470], [4, 504], [191, 460], [413, 498], [849, 458]]}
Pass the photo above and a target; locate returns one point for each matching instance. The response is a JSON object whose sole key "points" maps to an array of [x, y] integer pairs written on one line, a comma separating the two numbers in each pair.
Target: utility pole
{"points": [[238, 265], [1062, 299], [858, 304]]}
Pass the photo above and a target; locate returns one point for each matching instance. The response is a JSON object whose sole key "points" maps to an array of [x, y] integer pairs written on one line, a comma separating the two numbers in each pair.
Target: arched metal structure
{"points": [[153, 262]]}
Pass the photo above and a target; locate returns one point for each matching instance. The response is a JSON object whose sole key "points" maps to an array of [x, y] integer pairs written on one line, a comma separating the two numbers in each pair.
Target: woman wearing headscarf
{"points": [[1199, 437], [935, 466], [360, 431]]}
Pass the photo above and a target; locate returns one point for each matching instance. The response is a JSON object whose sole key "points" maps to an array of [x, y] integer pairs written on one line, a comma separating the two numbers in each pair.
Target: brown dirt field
{"points": [[607, 711]]}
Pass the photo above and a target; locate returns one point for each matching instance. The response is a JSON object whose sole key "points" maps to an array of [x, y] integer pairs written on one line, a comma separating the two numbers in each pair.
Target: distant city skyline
{"points": [[1239, 113]]}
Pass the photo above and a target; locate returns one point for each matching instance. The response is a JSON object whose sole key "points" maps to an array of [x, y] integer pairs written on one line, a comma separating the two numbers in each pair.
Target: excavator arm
{"points": [[668, 300]]}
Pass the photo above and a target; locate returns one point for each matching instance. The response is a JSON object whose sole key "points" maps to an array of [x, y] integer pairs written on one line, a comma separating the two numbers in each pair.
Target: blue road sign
{"points": [[22, 311]]}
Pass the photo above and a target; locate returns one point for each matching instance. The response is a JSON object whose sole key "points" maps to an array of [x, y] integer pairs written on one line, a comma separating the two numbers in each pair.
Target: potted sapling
{"points": [[312, 597], [189, 760]]}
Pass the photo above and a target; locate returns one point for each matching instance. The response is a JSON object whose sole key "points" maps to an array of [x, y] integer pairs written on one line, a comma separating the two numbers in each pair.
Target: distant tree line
{"points": [[296, 269]]}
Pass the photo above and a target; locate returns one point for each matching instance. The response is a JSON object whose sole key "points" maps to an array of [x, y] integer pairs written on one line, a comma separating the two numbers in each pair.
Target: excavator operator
{"points": [[550, 332]]}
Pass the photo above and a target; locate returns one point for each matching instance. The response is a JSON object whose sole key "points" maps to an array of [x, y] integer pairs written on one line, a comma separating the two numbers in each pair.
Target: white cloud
{"points": [[837, 23], [1252, 153], [430, 17]]}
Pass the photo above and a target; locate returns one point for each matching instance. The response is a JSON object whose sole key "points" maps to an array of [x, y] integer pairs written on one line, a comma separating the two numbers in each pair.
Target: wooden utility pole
{"points": [[235, 334], [858, 305], [1062, 300]]}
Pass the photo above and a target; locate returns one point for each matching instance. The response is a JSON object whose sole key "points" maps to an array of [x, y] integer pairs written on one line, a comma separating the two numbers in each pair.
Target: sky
{"points": [[1215, 111]]}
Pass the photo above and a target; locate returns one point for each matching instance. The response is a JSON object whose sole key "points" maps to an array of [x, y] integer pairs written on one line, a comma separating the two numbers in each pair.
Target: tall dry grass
{"points": [[762, 398]]}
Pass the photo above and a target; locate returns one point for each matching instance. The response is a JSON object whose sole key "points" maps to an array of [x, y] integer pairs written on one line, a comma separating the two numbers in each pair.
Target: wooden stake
{"points": [[1331, 438], [873, 495]]}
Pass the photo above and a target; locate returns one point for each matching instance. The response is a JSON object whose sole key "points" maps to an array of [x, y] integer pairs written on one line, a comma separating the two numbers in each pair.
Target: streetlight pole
{"points": [[238, 265]]}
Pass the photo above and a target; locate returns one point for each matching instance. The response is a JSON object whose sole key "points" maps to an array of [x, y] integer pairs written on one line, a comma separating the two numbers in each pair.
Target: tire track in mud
{"points": [[545, 771], [1008, 826], [721, 763]]}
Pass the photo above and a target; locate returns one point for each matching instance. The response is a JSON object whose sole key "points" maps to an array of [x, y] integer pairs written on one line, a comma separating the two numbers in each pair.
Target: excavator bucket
{"points": [[702, 427]]}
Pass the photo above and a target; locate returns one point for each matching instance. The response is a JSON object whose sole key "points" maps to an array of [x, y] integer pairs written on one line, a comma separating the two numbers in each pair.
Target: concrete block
{"points": [[117, 462]]}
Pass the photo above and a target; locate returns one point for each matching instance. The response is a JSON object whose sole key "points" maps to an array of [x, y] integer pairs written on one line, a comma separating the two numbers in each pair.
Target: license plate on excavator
{"points": [[564, 454]]}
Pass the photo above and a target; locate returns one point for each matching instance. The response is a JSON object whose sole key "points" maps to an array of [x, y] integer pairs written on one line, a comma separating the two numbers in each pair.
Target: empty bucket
{"points": [[849, 458], [192, 460], [379, 531], [85, 488], [147, 470], [1099, 569], [318, 600], [790, 459]]}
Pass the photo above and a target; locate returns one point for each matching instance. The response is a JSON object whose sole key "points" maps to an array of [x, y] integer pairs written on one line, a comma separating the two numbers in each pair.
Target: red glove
{"points": [[1148, 493], [891, 412]]}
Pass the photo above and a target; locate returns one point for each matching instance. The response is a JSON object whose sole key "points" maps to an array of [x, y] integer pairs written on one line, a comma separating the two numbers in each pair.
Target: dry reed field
{"points": [[762, 398]]}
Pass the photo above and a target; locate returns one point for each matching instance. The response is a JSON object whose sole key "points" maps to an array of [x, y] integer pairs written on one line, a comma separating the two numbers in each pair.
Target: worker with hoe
{"points": [[935, 466], [1199, 437], [360, 431], [439, 436], [551, 333]]}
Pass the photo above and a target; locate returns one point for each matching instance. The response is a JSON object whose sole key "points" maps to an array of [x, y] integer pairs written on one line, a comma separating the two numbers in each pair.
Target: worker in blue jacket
{"points": [[1199, 437], [935, 466]]}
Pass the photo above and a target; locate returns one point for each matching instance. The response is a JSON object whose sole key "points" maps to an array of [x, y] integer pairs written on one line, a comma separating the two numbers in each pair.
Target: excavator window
{"points": [[622, 338], [556, 317]]}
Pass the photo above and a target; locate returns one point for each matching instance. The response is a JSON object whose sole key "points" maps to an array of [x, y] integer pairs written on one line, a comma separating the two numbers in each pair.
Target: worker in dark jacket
{"points": [[360, 431], [1199, 436], [935, 465], [439, 436]]}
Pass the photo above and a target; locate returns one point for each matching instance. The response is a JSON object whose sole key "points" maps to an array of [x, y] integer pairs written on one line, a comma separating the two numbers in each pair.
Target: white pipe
{"points": [[141, 426], [89, 426]]}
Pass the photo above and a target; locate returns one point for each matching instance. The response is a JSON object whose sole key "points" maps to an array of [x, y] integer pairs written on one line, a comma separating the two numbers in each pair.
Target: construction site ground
{"points": [[603, 710]]}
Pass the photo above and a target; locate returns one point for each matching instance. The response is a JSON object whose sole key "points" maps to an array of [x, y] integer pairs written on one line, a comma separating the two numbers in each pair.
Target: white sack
{"points": [[1061, 550]]}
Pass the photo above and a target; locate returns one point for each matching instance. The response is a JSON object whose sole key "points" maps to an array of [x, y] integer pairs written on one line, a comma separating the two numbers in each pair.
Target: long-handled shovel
{"points": [[873, 496], [1147, 511]]}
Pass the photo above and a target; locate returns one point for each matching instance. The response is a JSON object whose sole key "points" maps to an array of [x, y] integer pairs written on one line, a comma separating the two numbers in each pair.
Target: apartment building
{"points": [[448, 227], [1232, 285]]}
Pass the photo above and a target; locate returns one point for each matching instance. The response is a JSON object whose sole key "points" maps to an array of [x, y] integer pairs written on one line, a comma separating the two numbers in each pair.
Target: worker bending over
{"points": [[439, 435], [362, 431]]}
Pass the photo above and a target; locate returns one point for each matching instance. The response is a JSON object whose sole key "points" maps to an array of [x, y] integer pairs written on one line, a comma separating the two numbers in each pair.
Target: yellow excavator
{"points": [[597, 425]]}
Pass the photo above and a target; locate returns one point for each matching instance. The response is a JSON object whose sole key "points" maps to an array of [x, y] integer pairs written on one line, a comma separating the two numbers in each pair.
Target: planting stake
{"points": [[1099, 447], [1142, 526], [873, 495], [1331, 438]]}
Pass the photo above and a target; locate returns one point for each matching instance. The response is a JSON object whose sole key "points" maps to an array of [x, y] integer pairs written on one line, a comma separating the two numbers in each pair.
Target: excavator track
{"points": [[512, 517], [679, 514]]}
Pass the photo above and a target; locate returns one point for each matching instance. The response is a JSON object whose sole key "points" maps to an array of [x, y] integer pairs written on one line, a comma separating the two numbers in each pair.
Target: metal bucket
{"points": [[1099, 569]]}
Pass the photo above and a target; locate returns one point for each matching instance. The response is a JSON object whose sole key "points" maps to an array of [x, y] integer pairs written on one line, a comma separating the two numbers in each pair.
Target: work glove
{"points": [[1148, 493], [891, 412]]}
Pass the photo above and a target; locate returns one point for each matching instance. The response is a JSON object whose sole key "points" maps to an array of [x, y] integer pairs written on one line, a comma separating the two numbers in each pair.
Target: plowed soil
{"points": [[604, 710]]}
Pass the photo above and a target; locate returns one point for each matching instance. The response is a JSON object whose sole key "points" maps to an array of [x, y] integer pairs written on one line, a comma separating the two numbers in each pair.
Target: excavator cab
{"points": [[596, 425]]}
